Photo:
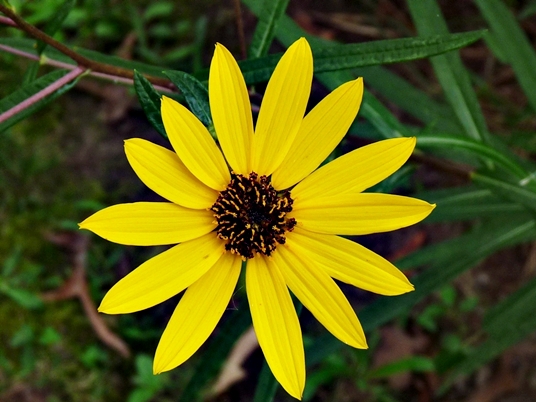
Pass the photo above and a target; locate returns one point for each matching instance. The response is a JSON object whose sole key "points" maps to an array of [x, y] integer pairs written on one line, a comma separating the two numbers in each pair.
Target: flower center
{"points": [[251, 215]]}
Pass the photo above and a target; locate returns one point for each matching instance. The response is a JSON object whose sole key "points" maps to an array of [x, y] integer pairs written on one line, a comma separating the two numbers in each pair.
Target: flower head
{"points": [[259, 199]]}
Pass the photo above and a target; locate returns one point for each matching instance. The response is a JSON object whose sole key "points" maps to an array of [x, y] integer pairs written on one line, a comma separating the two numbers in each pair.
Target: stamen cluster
{"points": [[251, 215]]}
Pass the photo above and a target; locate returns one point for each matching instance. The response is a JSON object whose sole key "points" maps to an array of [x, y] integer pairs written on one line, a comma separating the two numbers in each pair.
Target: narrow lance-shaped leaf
{"points": [[513, 44], [266, 26], [29, 90], [476, 148], [343, 57], [450, 71], [514, 192], [150, 102], [195, 93], [51, 28], [469, 203]]}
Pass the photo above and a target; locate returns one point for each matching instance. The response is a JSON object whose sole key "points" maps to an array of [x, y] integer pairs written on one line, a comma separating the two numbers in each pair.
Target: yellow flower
{"points": [[261, 201]]}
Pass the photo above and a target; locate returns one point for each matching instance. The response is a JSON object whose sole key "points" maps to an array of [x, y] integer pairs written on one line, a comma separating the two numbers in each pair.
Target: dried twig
{"points": [[76, 287]]}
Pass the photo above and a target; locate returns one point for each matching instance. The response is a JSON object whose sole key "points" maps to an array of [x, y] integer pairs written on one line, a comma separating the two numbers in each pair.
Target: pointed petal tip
{"points": [[83, 224], [157, 368], [161, 365], [165, 101], [359, 82], [218, 48]]}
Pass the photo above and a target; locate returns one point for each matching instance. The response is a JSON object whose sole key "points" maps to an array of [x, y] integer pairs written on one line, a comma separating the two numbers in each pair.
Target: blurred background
{"points": [[66, 161]]}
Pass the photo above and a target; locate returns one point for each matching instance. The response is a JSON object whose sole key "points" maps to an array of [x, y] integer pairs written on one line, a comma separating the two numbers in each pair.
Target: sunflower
{"points": [[257, 198]]}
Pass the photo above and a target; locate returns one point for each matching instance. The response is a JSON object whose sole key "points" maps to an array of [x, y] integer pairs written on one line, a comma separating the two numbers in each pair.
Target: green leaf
{"points": [[29, 90], [475, 147], [417, 364], [336, 57], [195, 93], [514, 45], [150, 102], [158, 10], [23, 298], [266, 26], [332, 58], [468, 202], [514, 192], [12, 261], [49, 337], [51, 27], [56, 22], [450, 71], [529, 10], [23, 336], [266, 386]]}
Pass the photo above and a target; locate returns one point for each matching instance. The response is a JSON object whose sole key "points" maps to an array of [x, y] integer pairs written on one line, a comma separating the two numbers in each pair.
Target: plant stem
{"points": [[80, 60], [7, 21]]}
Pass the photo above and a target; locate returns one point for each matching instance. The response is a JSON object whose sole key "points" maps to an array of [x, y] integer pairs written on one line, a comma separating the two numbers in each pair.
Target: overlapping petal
{"points": [[163, 276], [282, 108], [349, 262], [163, 172], [357, 170], [149, 223], [276, 324], [197, 313], [230, 109], [320, 132], [320, 295], [194, 145], [359, 214]]}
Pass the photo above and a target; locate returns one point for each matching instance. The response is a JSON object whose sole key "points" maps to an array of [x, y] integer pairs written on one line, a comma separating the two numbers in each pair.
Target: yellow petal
{"points": [[357, 170], [276, 324], [194, 145], [359, 214], [197, 314], [283, 107], [149, 223], [230, 109], [349, 262], [320, 295], [163, 276], [163, 172], [320, 132]]}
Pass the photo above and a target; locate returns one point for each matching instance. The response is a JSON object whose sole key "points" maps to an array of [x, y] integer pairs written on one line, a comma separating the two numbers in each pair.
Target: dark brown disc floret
{"points": [[250, 215]]}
